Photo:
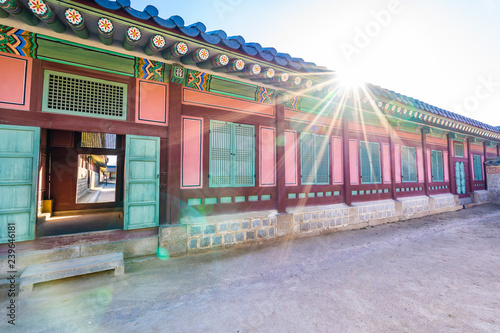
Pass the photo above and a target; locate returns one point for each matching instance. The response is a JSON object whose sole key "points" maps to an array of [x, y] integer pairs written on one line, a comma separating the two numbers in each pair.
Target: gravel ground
{"points": [[435, 274]]}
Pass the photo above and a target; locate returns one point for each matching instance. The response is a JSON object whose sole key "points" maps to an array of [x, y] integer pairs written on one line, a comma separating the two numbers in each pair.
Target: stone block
{"points": [[131, 248], [262, 233], [235, 226], [228, 239], [245, 225], [256, 223], [240, 237], [271, 232], [284, 225], [250, 235], [205, 242], [265, 222], [193, 243], [304, 227], [193, 231], [216, 240], [210, 229], [223, 227], [174, 239]]}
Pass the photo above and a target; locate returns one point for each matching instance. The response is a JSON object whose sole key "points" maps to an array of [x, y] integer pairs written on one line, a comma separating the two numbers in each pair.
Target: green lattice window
{"points": [[408, 164], [370, 162], [232, 155], [314, 159], [459, 149], [437, 166], [478, 167], [84, 96]]}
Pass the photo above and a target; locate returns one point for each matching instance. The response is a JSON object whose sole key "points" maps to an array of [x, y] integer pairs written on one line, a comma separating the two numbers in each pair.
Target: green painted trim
{"points": [[210, 201], [320, 194], [226, 200], [86, 47], [354, 192], [265, 197], [194, 202], [292, 195], [239, 198], [84, 66], [253, 198], [45, 107], [302, 195], [328, 194], [232, 95], [336, 193]]}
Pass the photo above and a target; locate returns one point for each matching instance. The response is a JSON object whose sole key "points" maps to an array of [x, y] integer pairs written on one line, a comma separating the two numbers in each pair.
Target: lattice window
{"points": [[371, 172], [84, 96], [232, 155], [98, 140], [314, 159]]}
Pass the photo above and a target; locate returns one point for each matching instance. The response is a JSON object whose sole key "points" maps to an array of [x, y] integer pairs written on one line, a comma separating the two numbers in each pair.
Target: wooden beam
{"points": [[347, 169], [174, 153], [471, 165], [485, 150], [453, 180], [393, 163], [281, 195], [426, 162]]}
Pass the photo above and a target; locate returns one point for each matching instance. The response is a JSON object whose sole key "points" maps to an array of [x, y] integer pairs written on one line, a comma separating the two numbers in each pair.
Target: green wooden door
{"points": [[142, 182], [460, 174], [19, 158]]}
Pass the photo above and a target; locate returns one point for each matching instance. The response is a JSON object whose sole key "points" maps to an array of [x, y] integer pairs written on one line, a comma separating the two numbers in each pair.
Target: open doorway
{"points": [[83, 183], [96, 182]]}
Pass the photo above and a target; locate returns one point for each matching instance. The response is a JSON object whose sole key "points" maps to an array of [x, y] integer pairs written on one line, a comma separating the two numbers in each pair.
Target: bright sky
{"points": [[445, 53]]}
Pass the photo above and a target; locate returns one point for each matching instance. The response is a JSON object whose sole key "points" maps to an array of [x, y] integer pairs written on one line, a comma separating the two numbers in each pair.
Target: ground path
{"points": [[435, 274]]}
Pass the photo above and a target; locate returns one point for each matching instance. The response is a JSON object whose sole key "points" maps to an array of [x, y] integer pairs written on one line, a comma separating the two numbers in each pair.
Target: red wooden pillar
{"points": [[485, 150], [471, 165], [174, 153], [424, 131], [393, 163], [347, 168], [280, 156], [453, 181]]}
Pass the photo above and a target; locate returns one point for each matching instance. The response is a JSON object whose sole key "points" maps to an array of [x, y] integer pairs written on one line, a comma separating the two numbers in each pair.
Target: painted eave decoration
{"points": [[116, 22]]}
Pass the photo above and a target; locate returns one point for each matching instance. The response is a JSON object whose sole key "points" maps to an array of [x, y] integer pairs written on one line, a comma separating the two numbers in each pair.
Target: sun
{"points": [[351, 78]]}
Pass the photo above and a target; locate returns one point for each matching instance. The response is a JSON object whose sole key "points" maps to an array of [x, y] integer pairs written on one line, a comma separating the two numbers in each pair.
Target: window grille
{"points": [[84, 96]]}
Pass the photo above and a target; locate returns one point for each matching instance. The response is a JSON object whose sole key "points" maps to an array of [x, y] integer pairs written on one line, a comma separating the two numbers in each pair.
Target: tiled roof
{"points": [[405, 100], [216, 37]]}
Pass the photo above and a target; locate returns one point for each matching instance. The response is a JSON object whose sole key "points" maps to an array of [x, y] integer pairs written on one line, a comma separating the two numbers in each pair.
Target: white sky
{"points": [[441, 52]]}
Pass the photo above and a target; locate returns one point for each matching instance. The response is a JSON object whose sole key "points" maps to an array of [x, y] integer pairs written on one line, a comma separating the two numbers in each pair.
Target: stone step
{"points": [[69, 268]]}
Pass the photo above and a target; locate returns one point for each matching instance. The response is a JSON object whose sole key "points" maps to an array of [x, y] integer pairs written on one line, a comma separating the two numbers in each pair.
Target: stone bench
{"points": [[68, 268]]}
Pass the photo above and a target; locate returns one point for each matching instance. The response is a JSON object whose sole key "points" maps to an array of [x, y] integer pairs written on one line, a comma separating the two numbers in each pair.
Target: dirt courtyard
{"points": [[435, 274]]}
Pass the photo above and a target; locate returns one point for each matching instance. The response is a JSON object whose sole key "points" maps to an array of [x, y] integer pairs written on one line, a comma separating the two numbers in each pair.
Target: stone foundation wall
{"points": [[318, 220], [481, 197], [372, 211], [211, 233], [198, 234], [415, 206], [444, 202], [493, 178]]}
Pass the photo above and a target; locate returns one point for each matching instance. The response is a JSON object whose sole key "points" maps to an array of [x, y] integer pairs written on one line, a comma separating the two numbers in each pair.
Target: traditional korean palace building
{"points": [[218, 141]]}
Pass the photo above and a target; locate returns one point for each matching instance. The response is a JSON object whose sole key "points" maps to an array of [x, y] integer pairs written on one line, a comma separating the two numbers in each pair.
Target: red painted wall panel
{"points": [[429, 164], [267, 156], [337, 161], [446, 167], [192, 153], [386, 163], [397, 158], [15, 85], [291, 158], [354, 161], [151, 105], [420, 165]]}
